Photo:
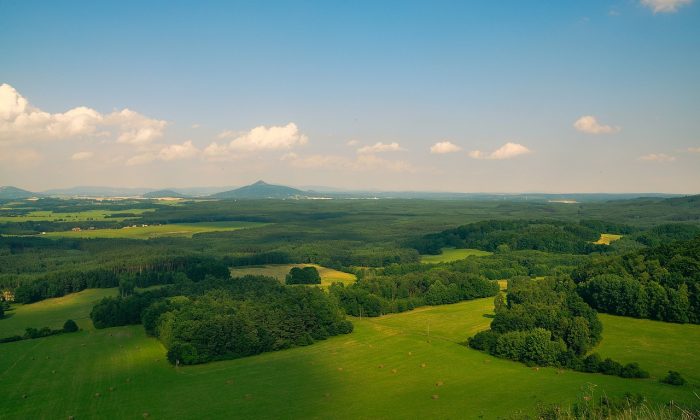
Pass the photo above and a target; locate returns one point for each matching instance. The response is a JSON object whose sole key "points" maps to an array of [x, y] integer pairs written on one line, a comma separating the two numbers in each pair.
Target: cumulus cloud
{"points": [[381, 148], [665, 6], [82, 155], [507, 151], [443, 147], [657, 157], [169, 152], [589, 124], [352, 143], [263, 138], [21, 122]]}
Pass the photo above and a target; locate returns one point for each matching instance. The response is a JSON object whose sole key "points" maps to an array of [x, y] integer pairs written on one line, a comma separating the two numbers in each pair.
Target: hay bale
{"points": [[248, 396], [380, 366], [327, 395], [410, 353], [97, 395], [53, 371], [145, 414], [393, 371], [423, 365], [111, 389], [439, 383], [435, 396], [24, 396], [340, 369], [70, 417]]}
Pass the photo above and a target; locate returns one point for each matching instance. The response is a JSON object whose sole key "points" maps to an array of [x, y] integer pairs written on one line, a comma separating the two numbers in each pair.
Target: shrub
{"points": [[70, 326], [674, 378]]}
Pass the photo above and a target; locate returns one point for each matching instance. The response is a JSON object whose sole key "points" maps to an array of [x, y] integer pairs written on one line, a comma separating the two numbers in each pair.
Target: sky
{"points": [[463, 96]]}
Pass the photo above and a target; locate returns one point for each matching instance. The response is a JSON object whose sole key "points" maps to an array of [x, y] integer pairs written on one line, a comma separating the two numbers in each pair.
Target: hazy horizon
{"points": [[513, 97]]}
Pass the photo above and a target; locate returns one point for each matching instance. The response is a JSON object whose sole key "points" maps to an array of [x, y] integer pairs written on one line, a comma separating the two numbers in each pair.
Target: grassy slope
{"points": [[452, 254], [336, 378], [155, 231], [280, 271]]}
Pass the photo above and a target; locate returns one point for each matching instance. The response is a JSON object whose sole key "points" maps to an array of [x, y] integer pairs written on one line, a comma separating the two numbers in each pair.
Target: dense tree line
{"points": [[494, 235], [546, 323], [382, 294], [31, 333], [661, 283], [226, 318]]}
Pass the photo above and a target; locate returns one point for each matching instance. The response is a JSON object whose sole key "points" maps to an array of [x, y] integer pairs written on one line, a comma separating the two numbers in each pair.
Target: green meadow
{"points": [[280, 271], [157, 231], [406, 365], [452, 254], [80, 216]]}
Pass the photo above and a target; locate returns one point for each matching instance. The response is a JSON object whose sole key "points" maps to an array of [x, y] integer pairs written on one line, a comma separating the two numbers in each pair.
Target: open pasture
{"points": [[280, 271], [157, 231], [452, 254], [389, 366], [81, 216]]}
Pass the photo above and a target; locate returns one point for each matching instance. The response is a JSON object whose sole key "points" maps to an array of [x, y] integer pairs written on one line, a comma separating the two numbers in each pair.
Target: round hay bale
{"points": [[53, 371], [393, 371], [423, 365], [111, 389], [340, 369], [380, 366], [439, 383], [410, 353], [24, 396], [70, 417], [145, 414], [97, 395], [435, 396]]}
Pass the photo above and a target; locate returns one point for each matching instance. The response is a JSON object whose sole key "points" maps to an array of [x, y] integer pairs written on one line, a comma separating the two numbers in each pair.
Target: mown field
{"points": [[79, 216], [452, 254], [607, 238], [399, 366], [280, 271], [157, 231]]}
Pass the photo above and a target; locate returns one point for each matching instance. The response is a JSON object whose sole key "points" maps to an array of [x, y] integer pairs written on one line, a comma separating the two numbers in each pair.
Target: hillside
{"points": [[164, 194], [262, 189], [14, 193]]}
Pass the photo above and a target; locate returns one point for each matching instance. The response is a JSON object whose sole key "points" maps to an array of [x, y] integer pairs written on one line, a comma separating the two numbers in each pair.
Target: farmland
{"points": [[607, 238], [389, 365], [452, 254], [76, 216], [328, 275], [186, 230]]}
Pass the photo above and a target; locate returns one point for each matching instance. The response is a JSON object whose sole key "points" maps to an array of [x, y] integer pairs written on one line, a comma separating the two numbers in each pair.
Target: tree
{"points": [[70, 326], [674, 378], [306, 275]]}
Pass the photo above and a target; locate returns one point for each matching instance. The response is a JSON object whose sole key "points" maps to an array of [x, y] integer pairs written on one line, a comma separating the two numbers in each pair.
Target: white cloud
{"points": [[665, 6], [507, 151], [380, 148], [82, 156], [657, 157], [352, 143], [21, 122], [589, 124], [170, 152], [263, 138], [443, 147]]}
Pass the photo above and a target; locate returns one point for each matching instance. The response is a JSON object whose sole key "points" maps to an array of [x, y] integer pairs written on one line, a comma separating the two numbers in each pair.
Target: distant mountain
{"points": [[262, 189], [14, 193], [98, 192], [164, 194]]}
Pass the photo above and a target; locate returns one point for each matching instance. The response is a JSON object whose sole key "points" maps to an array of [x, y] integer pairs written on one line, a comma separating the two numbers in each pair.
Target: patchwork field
{"points": [[82, 216], [391, 367], [452, 254], [280, 271], [607, 238], [157, 231]]}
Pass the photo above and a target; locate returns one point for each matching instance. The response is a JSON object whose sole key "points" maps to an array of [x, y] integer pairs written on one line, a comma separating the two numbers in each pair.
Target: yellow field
{"points": [[280, 271], [607, 238], [157, 231]]}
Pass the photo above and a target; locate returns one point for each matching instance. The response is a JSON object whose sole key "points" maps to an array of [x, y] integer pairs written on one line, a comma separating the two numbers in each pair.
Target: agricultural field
{"points": [[607, 238], [452, 254], [389, 366], [186, 230], [280, 271], [80, 216]]}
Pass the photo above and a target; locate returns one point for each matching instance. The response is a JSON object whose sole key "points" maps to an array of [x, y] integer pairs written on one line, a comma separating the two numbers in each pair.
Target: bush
{"points": [[70, 326], [674, 378], [484, 341]]}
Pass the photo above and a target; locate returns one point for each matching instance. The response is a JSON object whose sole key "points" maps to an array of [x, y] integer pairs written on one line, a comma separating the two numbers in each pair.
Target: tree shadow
{"points": [[491, 316]]}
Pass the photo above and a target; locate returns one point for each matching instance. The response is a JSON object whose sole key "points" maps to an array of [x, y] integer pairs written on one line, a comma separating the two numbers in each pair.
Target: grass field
{"points": [[157, 231], [82, 216], [607, 238], [280, 271], [388, 367], [452, 254]]}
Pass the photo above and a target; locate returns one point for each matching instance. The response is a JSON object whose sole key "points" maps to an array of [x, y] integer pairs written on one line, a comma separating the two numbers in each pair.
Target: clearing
{"points": [[280, 271], [452, 254], [607, 238]]}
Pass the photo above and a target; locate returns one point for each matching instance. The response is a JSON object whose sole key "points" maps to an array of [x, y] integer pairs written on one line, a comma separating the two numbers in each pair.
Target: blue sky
{"points": [[353, 94]]}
